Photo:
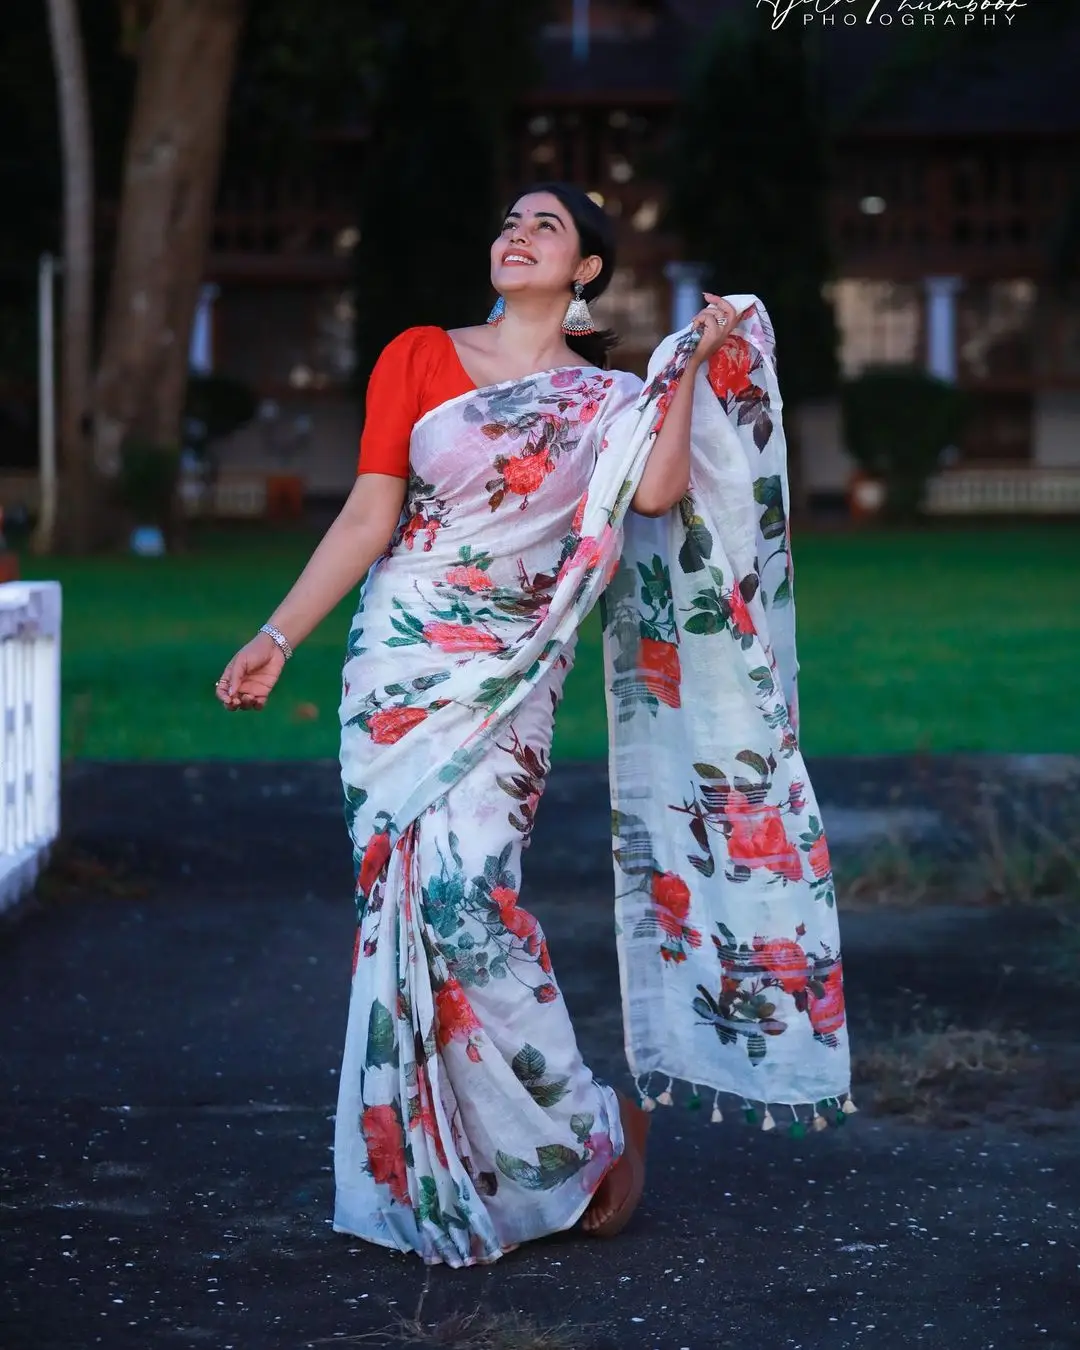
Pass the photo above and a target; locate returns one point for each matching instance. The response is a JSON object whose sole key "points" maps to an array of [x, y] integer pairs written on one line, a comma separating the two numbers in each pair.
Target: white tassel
{"points": [[849, 1108], [767, 1122], [819, 1122], [717, 1114], [665, 1098], [648, 1104]]}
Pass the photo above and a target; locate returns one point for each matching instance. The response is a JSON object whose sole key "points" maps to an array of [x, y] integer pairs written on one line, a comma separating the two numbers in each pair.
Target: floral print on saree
{"points": [[467, 1120]]}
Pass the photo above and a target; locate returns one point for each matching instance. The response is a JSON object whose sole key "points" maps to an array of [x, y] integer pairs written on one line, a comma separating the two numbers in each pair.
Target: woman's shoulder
{"points": [[423, 338], [626, 381]]}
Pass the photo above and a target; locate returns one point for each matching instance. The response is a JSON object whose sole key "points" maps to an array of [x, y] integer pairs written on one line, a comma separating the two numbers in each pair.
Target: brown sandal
{"points": [[636, 1123]]}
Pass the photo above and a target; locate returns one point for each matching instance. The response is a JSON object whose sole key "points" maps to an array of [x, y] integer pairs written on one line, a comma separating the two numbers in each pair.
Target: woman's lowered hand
{"points": [[247, 680]]}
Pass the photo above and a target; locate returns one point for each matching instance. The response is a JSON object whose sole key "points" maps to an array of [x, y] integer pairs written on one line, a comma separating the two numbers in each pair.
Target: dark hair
{"points": [[597, 235]]}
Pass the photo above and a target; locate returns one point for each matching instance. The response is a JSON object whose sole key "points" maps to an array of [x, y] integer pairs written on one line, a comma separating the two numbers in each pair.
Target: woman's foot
{"points": [[618, 1194]]}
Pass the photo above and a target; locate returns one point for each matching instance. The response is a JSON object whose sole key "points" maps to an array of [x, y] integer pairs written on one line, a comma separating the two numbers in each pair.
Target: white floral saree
{"points": [[467, 1120]]}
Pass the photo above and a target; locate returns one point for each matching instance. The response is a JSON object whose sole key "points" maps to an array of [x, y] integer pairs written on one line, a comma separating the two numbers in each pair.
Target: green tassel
{"points": [[797, 1130], [694, 1103], [750, 1115]]}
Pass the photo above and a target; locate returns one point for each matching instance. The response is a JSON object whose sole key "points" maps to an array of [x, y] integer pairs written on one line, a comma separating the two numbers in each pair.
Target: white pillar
{"points": [[580, 26], [686, 299], [201, 349], [941, 358], [46, 404]]}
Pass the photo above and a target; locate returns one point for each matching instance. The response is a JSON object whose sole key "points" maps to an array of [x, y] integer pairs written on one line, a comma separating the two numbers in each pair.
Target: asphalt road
{"points": [[171, 1019]]}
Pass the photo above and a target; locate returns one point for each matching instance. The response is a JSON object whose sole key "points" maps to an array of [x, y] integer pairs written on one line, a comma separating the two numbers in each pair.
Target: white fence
{"points": [[1027, 490], [29, 732]]}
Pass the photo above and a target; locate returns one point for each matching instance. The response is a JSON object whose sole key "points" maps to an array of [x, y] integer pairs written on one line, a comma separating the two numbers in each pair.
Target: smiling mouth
{"points": [[518, 260]]}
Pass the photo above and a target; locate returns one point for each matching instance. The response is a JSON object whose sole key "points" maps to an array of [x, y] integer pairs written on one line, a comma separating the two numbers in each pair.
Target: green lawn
{"points": [[941, 640]]}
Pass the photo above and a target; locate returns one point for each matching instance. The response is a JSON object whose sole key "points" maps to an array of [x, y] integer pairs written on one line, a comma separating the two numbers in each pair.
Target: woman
{"points": [[505, 477]]}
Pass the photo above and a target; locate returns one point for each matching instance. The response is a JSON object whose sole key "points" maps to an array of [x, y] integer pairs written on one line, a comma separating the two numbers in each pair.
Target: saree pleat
{"points": [[467, 1119]]}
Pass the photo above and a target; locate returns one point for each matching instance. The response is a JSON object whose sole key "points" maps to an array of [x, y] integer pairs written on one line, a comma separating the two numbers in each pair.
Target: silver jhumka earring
{"points": [[498, 312], [578, 321]]}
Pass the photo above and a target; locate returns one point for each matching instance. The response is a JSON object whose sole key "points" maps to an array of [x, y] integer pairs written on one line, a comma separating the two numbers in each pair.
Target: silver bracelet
{"points": [[278, 637]]}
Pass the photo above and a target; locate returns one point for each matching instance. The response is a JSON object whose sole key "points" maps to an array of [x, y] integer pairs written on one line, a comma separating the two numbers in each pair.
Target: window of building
{"points": [[880, 323]]}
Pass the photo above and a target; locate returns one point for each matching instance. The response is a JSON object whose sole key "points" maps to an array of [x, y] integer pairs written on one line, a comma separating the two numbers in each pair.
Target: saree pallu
{"points": [[467, 1120]]}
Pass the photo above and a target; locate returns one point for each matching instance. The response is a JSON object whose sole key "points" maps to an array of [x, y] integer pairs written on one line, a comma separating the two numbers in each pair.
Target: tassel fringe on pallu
{"points": [[814, 1116]]}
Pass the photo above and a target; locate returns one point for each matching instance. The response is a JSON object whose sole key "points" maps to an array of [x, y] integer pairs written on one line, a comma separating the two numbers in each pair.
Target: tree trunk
{"points": [[186, 57], [78, 279]]}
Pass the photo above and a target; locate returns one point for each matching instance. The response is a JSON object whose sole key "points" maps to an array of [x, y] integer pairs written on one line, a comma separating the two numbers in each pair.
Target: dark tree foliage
{"points": [[748, 179], [30, 165], [429, 194]]}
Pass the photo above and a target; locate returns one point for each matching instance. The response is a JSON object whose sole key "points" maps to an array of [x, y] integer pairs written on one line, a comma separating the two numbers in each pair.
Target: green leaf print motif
{"points": [[769, 493], [381, 1048], [555, 1164], [697, 546], [582, 1125], [355, 797], [530, 1067]]}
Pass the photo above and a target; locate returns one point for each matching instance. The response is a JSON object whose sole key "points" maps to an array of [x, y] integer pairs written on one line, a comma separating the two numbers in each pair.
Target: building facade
{"points": [[947, 212]]}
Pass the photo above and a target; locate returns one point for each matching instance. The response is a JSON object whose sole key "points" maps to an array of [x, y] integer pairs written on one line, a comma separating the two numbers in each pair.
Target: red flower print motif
{"points": [[472, 578], [376, 854], [820, 864], [785, 960], [827, 1012], [671, 896], [579, 514], [455, 637], [391, 724], [587, 554], [659, 662], [356, 952], [546, 993], [517, 921], [545, 958], [565, 379], [729, 367], [600, 1156], [663, 403], [524, 473], [740, 615], [454, 1015], [381, 1128], [758, 838], [589, 409], [419, 524], [427, 1113]]}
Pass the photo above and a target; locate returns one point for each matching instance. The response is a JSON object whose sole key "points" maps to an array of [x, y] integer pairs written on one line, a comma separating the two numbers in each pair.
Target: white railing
{"points": [[29, 732], [1006, 491]]}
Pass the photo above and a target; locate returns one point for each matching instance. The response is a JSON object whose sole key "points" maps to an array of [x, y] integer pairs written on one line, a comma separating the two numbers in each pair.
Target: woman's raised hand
{"points": [[716, 322], [246, 681]]}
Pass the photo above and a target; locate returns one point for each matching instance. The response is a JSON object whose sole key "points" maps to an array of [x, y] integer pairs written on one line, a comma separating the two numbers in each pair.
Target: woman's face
{"points": [[538, 249]]}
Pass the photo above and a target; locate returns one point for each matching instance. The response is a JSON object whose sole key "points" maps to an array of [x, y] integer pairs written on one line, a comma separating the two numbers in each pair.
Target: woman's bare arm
{"points": [[359, 535], [666, 477]]}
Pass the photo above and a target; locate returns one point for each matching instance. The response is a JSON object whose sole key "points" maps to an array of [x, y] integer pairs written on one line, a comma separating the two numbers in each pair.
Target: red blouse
{"points": [[416, 372]]}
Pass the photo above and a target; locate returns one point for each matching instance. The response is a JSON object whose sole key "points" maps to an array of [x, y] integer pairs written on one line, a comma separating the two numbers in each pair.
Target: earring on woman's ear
{"points": [[578, 321], [498, 313]]}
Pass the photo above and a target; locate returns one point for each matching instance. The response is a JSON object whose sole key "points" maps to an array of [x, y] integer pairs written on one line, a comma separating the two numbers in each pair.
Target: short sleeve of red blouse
{"points": [[415, 372]]}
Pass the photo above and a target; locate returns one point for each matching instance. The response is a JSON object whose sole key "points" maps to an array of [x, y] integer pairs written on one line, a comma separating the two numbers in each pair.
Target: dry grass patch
{"points": [[892, 875], [74, 874], [480, 1329], [924, 1073], [1019, 859]]}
